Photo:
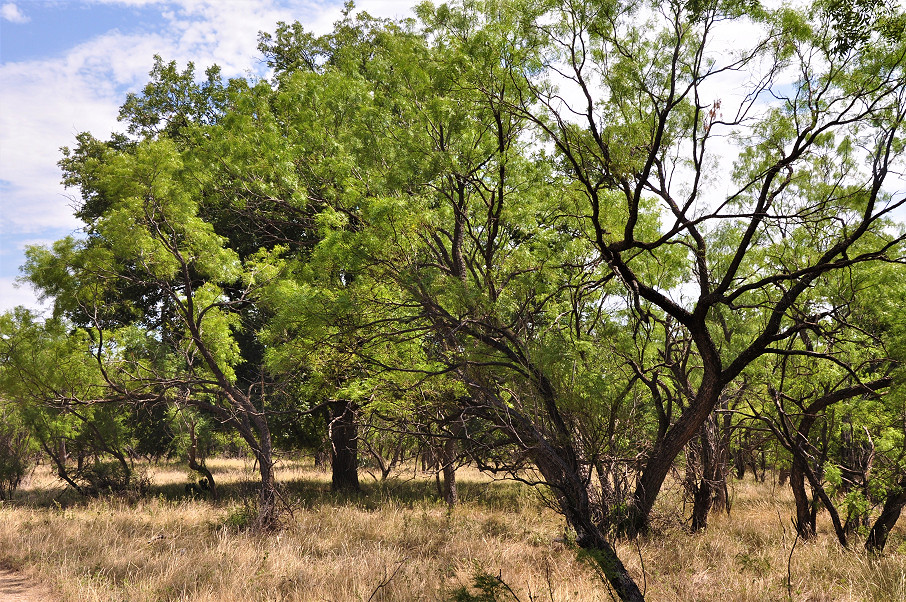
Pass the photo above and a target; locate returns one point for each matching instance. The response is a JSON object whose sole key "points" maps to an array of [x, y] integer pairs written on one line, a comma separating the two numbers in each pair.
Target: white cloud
{"points": [[13, 294], [44, 104], [10, 12]]}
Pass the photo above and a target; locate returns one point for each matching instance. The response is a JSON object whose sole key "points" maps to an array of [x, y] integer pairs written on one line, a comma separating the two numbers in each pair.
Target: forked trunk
{"points": [[665, 451]]}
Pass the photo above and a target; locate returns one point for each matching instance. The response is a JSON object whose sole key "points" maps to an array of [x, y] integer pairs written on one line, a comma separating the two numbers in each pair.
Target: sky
{"points": [[66, 67]]}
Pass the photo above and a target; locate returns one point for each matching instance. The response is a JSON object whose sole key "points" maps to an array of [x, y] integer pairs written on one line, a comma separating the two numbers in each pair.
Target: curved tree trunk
{"points": [[572, 498], [665, 451], [890, 513]]}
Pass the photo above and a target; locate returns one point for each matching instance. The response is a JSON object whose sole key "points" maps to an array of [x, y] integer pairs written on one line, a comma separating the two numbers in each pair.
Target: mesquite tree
{"points": [[631, 98]]}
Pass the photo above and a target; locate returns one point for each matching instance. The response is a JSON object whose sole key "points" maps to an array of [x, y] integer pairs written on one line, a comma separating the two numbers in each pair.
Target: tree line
{"points": [[588, 245]]}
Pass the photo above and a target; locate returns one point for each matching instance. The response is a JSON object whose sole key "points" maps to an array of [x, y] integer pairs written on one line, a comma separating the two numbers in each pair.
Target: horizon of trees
{"points": [[504, 234]]}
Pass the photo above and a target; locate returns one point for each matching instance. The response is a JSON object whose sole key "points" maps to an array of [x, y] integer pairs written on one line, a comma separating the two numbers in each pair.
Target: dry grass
{"points": [[397, 542]]}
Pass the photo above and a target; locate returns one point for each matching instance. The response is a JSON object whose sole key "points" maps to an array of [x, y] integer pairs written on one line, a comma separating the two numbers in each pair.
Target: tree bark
{"points": [[711, 489], [344, 438], [723, 425], [557, 462], [268, 512], [665, 451], [805, 509], [701, 499], [572, 498], [890, 513], [451, 494]]}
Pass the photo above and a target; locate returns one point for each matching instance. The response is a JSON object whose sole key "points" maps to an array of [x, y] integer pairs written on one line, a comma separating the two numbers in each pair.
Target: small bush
{"points": [[486, 587], [106, 477], [241, 517], [16, 457]]}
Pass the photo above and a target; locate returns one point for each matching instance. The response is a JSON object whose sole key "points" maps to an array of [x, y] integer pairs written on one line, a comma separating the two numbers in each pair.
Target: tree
{"points": [[452, 263], [853, 464], [151, 236], [499, 251], [642, 127], [50, 379]]}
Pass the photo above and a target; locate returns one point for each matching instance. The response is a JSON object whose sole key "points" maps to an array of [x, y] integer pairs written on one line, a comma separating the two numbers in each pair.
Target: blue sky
{"points": [[66, 67], [46, 28]]}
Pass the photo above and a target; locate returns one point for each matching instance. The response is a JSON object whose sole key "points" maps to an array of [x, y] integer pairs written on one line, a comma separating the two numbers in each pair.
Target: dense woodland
{"points": [[592, 246]]}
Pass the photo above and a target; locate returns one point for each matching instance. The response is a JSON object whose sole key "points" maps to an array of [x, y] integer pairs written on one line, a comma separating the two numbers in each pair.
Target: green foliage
{"points": [[17, 450], [486, 587], [240, 518], [173, 100]]}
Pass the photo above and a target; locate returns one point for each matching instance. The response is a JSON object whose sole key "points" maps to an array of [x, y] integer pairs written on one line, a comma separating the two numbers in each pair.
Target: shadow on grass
{"points": [[298, 491]]}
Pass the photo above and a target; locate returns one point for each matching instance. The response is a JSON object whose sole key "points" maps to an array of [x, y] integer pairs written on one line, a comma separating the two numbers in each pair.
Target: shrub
{"points": [[16, 454]]}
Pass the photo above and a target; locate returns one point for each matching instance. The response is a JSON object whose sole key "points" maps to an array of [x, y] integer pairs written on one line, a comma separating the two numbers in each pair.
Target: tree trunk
{"points": [[558, 465], [572, 498], [783, 475], [57, 454], [805, 509], [723, 427], [451, 495], [704, 491], [701, 505], [197, 462], [322, 455], [739, 462], [344, 440], [665, 451], [890, 513], [268, 512]]}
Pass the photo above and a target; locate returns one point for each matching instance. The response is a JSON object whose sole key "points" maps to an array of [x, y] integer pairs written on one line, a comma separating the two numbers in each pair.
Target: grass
{"points": [[396, 541]]}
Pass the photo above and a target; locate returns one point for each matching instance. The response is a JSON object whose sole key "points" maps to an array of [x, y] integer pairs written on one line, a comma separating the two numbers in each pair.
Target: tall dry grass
{"points": [[396, 541]]}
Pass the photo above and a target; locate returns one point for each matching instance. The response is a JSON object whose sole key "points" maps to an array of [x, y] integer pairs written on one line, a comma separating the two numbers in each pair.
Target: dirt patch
{"points": [[14, 587]]}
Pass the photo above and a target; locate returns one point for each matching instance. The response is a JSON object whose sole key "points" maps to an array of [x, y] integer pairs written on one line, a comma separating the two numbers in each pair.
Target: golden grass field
{"points": [[396, 541]]}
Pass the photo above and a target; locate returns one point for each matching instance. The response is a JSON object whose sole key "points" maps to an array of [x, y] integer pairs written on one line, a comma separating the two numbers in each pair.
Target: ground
{"points": [[15, 587], [397, 541]]}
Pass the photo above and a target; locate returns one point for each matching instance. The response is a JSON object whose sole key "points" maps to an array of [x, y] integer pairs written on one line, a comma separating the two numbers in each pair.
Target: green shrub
{"points": [[16, 454], [486, 587]]}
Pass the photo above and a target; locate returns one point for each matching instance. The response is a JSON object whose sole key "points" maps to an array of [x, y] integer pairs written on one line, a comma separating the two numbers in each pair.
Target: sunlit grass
{"points": [[397, 541]]}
